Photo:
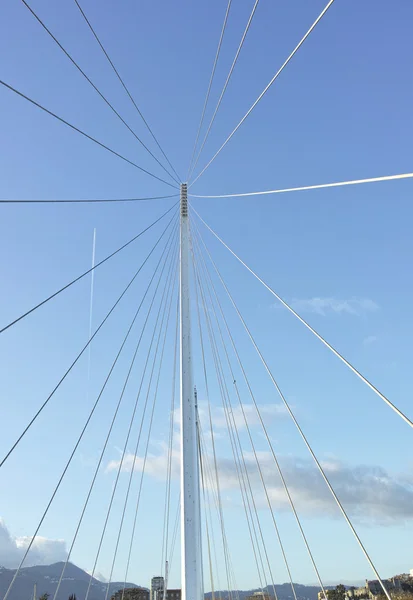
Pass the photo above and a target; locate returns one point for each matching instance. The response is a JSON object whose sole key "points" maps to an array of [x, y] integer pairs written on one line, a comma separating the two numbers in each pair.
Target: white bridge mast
{"points": [[191, 560]]}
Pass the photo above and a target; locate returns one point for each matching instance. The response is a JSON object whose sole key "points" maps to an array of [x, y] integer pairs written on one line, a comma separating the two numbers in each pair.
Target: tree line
{"points": [[46, 596]]}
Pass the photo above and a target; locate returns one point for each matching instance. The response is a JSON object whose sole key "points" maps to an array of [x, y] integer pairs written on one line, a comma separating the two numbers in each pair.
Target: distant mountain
{"points": [[75, 581], [283, 590]]}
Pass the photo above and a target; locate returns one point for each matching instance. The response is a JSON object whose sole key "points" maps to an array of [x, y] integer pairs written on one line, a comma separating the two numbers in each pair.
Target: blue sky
{"points": [[341, 110]]}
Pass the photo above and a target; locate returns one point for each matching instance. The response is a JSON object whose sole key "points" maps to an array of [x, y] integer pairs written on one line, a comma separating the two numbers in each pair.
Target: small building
{"points": [[361, 592], [157, 587], [375, 589], [173, 594], [157, 590]]}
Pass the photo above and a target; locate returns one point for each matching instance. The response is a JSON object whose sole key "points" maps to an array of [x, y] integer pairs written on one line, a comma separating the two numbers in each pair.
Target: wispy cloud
{"points": [[98, 576], [269, 412], [370, 339], [156, 464], [87, 461], [330, 305]]}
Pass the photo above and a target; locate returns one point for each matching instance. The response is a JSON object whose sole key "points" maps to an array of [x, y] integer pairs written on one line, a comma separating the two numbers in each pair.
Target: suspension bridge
{"points": [[179, 353]]}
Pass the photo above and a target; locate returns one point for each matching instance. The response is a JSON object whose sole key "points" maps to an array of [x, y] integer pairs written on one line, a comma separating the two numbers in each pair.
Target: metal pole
{"points": [[165, 585], [190, 506], [198, 447]]}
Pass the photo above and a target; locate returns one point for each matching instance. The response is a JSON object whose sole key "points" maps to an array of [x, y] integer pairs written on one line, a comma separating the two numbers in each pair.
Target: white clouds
{"points": [[43, 551], [330, 305], [156, 464], [369, 493]]}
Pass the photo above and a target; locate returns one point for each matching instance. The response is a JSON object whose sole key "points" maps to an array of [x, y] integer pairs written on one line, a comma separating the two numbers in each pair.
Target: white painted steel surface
{"points": [[191, 558]]}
